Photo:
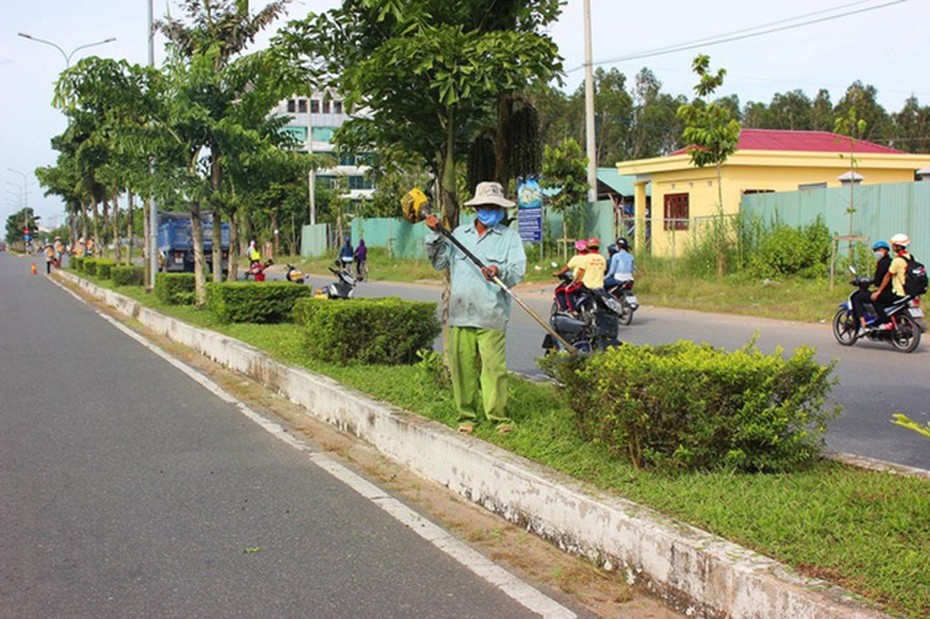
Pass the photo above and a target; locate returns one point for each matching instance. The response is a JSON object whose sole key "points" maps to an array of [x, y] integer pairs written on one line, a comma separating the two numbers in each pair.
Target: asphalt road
{"points": [[128, 490], [875, 381]]}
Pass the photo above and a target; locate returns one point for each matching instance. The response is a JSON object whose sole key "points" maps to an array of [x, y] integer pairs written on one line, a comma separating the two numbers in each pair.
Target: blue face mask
{"points": [[490, 217], [879, 255]]}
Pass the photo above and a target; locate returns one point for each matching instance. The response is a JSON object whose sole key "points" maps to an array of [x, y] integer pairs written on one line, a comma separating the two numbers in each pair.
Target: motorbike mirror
{"points": [[852, 269]]}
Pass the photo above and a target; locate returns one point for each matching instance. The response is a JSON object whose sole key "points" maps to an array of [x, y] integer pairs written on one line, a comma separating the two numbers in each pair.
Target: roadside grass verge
{"points": [[864, 530]]}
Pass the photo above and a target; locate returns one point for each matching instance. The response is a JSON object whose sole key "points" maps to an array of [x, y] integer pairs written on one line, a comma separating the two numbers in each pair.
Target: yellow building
{"points": [[685, 197]]}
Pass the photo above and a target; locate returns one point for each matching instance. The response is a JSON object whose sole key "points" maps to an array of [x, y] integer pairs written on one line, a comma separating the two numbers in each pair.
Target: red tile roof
{"points": [[806, 141]]}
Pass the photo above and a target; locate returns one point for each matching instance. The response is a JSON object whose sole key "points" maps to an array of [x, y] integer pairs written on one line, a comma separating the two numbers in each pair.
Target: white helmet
{"points": [[900, 239]]}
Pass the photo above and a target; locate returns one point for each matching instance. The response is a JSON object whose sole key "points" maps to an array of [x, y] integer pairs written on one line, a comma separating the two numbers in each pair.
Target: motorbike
{"points": [[592, 324], [905, 316], [342, 288], [294, 275], [257, 271], [623, 292]]}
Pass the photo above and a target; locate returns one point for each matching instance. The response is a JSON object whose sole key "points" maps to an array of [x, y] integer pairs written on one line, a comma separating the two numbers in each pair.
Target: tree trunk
{"points": [[83, 222], [96, 226], [129, 229], [146, 209], [276, 243], [200, 291], [233, 246], [501, 145], [117, 251], [217, 251]]}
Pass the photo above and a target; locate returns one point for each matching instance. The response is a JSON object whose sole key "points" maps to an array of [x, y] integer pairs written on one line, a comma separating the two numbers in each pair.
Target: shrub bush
{"points": [[785, 250], [385, 331], [105, 268], [175, 288], [128, 275], [89, 266], [260, 302], [687, 406], [76, 263]]}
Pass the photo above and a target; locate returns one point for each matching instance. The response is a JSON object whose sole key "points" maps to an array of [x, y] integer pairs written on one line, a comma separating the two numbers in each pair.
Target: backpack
{"points": [[915, 278]]}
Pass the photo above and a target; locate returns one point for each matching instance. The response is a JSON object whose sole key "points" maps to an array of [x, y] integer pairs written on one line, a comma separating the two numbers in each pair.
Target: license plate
{"points": [[917, 313]]}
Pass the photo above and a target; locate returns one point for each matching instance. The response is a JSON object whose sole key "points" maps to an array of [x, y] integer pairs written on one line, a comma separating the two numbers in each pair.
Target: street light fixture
{"points": [[65, 55], [25, 190]]}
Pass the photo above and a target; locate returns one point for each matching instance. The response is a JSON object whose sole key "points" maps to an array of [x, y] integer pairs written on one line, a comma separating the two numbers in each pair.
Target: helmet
{"points": [[612, 249], [581, 245], [880, 245], [900, 239], [594, 242], [622, 243]]}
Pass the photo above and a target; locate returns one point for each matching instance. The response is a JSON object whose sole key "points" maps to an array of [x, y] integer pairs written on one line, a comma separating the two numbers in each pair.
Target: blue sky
{"points": [[884, 45]]}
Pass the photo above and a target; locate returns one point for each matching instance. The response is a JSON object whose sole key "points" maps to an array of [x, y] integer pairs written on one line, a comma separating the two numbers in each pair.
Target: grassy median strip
{"points": [[864, 530]]}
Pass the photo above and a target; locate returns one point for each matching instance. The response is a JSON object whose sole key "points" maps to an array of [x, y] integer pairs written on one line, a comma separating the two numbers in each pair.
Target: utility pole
{"points": [[153, 209], [589, 106]]}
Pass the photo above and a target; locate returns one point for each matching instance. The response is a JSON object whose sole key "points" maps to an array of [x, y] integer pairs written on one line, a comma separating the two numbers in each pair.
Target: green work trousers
{"points": [[478, 355]]}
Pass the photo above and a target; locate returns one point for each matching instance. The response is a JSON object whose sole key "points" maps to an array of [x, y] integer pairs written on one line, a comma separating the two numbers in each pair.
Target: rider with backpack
{"points": [[906, 276]]}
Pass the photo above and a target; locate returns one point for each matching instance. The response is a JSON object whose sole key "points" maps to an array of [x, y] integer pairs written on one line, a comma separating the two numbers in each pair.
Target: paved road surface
{"points": [[129, 490], [875, 380]]}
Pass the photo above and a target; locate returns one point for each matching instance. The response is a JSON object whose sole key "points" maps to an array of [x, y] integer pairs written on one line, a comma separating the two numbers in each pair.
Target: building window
{"points": [[677, 211], [291, 106], [314, 106], [359, 182], [302, 106], [810, 186], [322, 134], [326, 106], [337, 107]]}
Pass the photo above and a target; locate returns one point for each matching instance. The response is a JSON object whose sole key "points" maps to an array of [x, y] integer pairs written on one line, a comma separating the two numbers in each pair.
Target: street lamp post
{"points": [[65, 55]]}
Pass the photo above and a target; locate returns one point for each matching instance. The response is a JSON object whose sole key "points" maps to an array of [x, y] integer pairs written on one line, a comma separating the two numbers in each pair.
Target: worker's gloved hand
{"points": [[432, 222], [490, 272]]}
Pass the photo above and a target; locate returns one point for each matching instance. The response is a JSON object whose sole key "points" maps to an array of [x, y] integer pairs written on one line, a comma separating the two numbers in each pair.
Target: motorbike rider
{"points": [[894, 278], [621, 266], [565, 290], [863, 296], [587, 270], [255, 256]]}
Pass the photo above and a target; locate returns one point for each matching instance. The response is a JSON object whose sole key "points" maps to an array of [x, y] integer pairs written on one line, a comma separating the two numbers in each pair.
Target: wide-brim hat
{"points": [[490, 193]]}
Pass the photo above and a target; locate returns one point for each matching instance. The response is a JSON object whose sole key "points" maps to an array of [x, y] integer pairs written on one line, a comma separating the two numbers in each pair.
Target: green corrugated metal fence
{"points": [[880, 211]]}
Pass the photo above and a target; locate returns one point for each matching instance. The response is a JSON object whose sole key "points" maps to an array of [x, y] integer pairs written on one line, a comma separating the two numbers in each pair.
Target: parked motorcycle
{"points": [[342, 288], [294, 275], [592, 324], [257, 271], [623, 292], [905, 316]]}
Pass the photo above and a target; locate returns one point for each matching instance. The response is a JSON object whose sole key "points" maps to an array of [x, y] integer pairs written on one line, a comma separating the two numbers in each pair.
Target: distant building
{"points": [[684, 196], [312, 121]]}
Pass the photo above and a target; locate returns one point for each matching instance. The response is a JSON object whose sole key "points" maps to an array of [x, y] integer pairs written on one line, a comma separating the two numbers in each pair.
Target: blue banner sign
{"points": [[529, 203]]}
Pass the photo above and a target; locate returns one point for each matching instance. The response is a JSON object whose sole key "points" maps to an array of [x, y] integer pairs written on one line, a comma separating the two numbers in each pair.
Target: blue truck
{"points": [[176, 243]]}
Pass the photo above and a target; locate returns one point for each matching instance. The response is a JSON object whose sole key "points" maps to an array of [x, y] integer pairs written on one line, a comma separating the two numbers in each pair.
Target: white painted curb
{"points": [[690, 569]]}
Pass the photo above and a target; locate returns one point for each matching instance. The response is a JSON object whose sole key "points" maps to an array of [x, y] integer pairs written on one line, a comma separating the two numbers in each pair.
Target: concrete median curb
{"points": [[691, 570]]}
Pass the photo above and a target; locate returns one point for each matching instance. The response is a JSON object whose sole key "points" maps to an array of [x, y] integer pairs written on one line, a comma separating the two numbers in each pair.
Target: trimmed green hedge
{"points": [[688, 406], [175, 288], [76, 263], [105, 268], [375, 331], [128, 275], [260, 302], [89, 266]]}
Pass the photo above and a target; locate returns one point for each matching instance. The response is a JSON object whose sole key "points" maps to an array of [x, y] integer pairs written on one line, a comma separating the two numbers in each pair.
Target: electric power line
{"points": [[746, 33]]}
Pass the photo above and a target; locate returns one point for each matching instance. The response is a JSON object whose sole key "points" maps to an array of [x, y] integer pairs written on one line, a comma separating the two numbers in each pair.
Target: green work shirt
{"points": [[474, 301]]}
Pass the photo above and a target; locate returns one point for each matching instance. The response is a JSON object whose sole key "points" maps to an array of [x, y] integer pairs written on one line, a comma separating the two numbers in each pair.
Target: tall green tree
{"points": [[911, 127], [429, 73], [565, 174], [712, 134], [656, 127], [219, 106]]}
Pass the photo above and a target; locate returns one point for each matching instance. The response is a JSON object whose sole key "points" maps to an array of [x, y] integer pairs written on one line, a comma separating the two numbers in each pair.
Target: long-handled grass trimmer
{"points": [[415, 208]]}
